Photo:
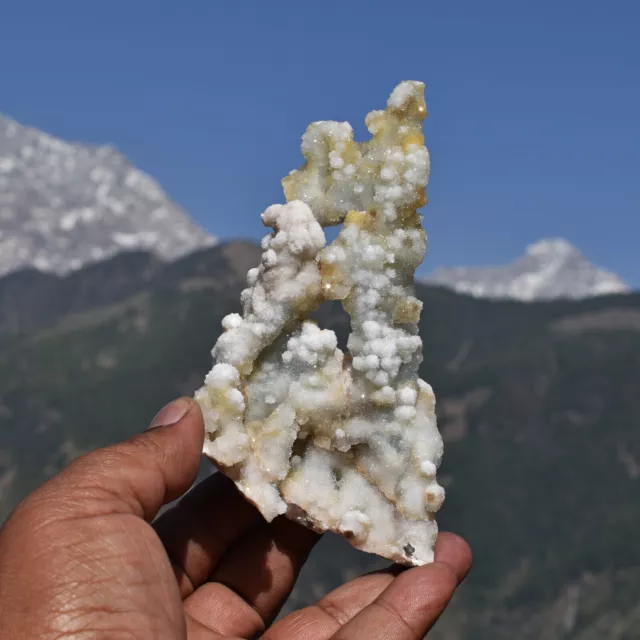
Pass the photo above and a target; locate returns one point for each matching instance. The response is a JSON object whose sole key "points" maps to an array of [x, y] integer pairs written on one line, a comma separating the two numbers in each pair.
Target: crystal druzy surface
{"points": [[340, 442]]}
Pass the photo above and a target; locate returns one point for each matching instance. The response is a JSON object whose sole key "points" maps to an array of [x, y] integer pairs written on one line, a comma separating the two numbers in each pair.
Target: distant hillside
{"points": [[538, 404], [32, 300]]}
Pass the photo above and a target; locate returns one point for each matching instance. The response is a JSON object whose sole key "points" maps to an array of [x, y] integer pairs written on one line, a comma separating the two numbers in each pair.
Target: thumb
{"points": [[139, 475]]}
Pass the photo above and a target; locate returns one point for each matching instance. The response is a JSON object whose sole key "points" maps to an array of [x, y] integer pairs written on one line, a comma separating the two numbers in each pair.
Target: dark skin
{"points": [[83, 558]]}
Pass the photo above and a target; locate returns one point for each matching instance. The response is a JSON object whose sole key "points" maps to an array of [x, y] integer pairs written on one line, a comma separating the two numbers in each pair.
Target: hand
{"points": [[79, 558]]}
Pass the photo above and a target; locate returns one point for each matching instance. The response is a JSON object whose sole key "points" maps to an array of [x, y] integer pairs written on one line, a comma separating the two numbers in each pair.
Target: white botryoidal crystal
{"points": [[347, 444]]}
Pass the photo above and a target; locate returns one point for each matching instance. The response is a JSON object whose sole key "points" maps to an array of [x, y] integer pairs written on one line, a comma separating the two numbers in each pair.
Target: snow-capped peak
{"points": [[550, 268], [63, 205]]}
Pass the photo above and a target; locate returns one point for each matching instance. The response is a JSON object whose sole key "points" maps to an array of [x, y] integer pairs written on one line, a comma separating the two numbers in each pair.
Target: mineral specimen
{"points": [[346, 443]]}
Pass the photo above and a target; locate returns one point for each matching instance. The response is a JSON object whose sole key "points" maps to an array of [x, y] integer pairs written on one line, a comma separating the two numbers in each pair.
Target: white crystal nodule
{"points": [[338, 444]]}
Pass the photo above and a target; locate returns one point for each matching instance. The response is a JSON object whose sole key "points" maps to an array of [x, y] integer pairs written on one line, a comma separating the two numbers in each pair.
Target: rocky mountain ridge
{"points": [[550, 269], [64, 205]]}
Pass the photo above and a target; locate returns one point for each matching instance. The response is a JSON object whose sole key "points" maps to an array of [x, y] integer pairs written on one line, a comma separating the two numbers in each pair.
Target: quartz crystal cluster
{"points": [[339, 442]]}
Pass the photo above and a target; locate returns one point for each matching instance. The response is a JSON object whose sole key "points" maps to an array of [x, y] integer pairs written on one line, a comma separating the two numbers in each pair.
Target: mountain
{"points": [[64, 205], [31, 300], [550, 269], [537, 403]]}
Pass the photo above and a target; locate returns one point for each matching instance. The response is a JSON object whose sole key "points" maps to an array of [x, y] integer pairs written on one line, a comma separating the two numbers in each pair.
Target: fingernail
{"points": [[170, 414]]}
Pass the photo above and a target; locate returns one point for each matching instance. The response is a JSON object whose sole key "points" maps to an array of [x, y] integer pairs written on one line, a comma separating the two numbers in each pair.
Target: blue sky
{"points": [[534, 124]]}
